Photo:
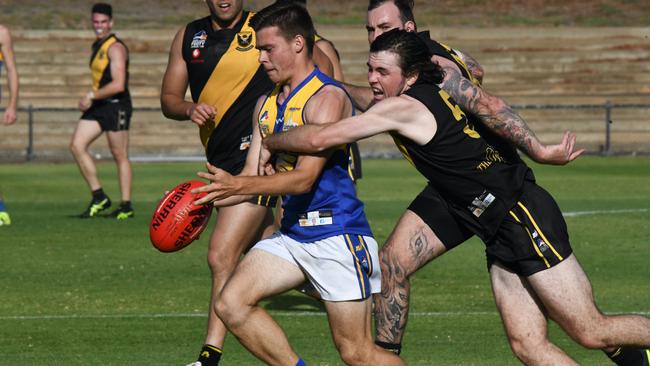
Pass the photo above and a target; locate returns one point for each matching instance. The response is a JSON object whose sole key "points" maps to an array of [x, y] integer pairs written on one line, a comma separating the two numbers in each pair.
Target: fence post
{"points": [[608, 128], [30, 133]]}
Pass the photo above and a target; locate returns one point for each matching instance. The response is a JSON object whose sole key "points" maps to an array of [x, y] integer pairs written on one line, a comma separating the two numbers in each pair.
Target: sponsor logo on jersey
{"points": [[245, 142], [198, 41], [264, 117], [196, 53], [244, 41]]}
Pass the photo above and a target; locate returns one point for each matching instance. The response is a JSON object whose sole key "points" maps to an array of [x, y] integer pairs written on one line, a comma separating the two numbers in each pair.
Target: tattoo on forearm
{"points": [[492, 111]]}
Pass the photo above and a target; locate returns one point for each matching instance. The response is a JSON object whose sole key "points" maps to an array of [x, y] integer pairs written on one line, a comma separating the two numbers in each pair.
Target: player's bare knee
{"points": [[591, 338], [230, 309], [76, 149], [221, 263], [353, 353], [525, 348]]}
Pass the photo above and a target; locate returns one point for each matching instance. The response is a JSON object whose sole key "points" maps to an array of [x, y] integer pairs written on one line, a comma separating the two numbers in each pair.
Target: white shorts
{"points": [[341, 268]]}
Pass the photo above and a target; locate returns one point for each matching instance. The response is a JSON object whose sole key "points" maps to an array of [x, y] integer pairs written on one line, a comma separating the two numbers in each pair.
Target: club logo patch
{"points": [[244, 41], [198, 41]]}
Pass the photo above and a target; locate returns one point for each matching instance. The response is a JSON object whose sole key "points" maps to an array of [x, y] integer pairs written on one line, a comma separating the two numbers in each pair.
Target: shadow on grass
{"points": [[293, 301]]}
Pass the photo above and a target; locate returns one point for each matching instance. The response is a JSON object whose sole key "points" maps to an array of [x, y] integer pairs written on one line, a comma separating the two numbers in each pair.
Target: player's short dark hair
{"points": [[405, 8], [291, 19], [414, 55], [103, 8]]}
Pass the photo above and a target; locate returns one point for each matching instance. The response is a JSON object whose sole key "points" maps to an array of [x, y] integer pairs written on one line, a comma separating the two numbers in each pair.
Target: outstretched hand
{"points": [[222, 185], [560, 154]]}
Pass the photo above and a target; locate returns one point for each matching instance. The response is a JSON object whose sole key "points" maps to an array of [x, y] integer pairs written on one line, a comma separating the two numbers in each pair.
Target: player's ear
{"points": [[409, 26], [299, 43], [411, 79]]}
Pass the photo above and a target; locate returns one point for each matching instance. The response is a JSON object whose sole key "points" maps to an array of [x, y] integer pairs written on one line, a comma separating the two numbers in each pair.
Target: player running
{"points": [[324, 238]]}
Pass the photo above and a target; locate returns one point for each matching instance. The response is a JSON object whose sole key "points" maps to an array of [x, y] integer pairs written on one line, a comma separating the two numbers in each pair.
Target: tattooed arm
{"points": [[474, 67], [503, 120]]}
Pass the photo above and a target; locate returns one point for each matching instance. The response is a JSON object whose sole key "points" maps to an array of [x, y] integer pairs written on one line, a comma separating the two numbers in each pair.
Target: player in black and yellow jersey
{"points": [[427, 219], [7, 58], [106, 108], [215, 57], [534, 273]]}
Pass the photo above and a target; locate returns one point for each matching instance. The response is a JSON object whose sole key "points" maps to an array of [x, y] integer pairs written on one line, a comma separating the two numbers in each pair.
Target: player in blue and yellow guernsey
{"points": [[534, 273], [215, 57], [7, 58], [324, 238], [106, 108]]}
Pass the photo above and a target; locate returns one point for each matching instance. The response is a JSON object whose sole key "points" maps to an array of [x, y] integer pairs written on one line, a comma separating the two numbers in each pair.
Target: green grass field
{"points": [[79, 292]]}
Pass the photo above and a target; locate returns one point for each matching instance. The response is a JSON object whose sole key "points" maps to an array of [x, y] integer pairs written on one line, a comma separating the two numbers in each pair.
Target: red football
{"points": [[177, 222]]}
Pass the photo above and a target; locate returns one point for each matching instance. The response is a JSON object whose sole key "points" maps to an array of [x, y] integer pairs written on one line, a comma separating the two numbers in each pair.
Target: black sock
{"points": [[210, 355], [98, 195], [629, 356], [396, 348], [126, 206]]}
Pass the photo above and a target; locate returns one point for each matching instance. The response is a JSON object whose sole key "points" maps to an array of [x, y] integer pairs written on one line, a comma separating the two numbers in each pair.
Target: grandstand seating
{"points": [[524, 66]]}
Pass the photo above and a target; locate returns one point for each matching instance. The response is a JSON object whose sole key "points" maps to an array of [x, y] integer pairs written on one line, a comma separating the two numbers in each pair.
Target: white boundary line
{"points": [[319, 313], [304, 314], [604, 212]]}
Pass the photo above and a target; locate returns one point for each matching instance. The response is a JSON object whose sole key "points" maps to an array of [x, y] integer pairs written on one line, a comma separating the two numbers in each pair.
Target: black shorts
{"points": [[266, 201], [533, 236], [354, 165], [111, 116], [434, 211]]}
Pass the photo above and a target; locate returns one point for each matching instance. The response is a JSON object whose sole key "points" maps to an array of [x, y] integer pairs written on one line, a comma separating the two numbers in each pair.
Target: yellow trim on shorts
{"points": [[647, 352], [357, 264], [539, 252], [365, 248], [618, 352], [540, 231]]}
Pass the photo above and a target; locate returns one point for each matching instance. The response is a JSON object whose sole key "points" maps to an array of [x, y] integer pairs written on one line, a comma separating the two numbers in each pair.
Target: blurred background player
{"points": [[8, 58], [215, 57], [106, 108]]}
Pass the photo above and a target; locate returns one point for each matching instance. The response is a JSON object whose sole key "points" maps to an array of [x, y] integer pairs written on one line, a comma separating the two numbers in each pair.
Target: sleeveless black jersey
{"points": [[100, 66], [471, 175], [224, 72], [505, 147]]}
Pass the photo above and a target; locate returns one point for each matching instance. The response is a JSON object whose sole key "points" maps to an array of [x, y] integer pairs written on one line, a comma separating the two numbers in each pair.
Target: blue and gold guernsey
{"points": [[331, 208]]}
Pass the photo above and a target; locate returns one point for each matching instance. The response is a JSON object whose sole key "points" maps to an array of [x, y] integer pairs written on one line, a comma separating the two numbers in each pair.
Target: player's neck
{"points": [[218, 24], [300, 73]]}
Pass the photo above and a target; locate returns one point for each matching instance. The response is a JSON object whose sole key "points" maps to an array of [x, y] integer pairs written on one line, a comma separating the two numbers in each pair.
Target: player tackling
{"points": [[534, 273], [324, 237]]}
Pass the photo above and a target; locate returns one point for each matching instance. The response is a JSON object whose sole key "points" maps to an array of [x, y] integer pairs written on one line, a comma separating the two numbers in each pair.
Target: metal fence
{"points": [[607, 107]]}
